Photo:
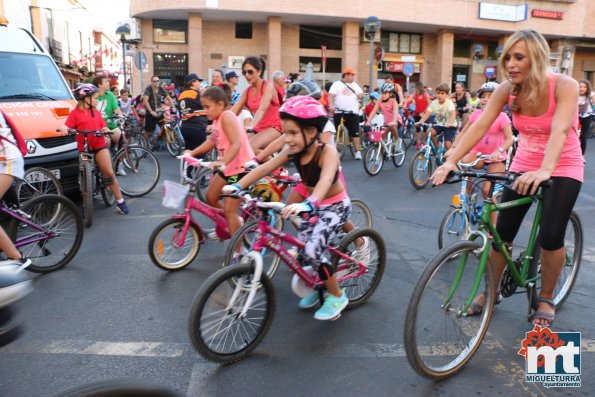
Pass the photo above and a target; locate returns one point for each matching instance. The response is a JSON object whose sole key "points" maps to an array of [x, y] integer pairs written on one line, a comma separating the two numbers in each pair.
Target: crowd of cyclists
{"points": [[274, 122]]}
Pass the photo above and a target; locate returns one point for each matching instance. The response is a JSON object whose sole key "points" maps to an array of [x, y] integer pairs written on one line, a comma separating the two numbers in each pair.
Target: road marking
{"points": [[98, 348]]}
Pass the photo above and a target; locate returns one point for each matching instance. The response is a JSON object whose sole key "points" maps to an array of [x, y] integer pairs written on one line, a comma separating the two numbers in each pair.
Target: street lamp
{"points": [[124, 32], [371, 27]]}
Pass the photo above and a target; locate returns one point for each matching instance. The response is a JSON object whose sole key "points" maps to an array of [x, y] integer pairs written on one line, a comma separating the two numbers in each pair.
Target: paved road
{"points": [[112, 314]]}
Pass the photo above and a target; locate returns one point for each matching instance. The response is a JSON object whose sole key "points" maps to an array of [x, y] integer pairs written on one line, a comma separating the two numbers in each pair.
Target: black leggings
{"points": [[558, 202], [585, 126]]}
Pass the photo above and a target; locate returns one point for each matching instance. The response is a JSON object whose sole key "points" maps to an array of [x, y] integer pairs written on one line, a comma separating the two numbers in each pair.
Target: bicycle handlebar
{"points": [[506, 177], [480, 157], [74, 131], [200, 163]]}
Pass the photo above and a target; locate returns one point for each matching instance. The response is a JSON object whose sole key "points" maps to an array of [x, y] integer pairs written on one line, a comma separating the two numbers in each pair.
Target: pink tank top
{"points": [[387, 111], [494, 138], [219, 137], [271, 118], [534, 133]]}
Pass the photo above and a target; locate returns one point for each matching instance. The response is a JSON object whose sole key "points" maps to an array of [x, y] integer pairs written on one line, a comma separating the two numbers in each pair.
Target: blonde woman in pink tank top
{"points": [[261, 99], [230, 140], [549, 148]]}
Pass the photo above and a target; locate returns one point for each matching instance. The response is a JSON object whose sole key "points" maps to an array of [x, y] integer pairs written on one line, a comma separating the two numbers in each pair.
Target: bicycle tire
{"points": [[454, 222], [119, 388], [373, 159], [399, 153], [161, 250], [341, 140], [420, 176], [251, 331], [142, 170], [434, 325], [86, 184], [361, 215], [58, 216], [48, 184], [138, 140], [572, 263], [205, 175], [359, 289], [408, 135], [172, 142], [244, 236]]}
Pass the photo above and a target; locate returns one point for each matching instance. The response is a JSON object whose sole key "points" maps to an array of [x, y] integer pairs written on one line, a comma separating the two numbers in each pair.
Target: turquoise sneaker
{"points": [[332, 307], [309, 301]]}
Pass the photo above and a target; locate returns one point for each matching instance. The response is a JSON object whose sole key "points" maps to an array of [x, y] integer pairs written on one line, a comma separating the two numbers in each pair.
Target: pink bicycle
{"points": [[175, 242], [234, 308]]}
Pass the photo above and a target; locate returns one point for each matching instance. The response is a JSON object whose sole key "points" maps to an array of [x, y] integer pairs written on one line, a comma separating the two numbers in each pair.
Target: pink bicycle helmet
{"points": [[304, 110], [84, 90]]}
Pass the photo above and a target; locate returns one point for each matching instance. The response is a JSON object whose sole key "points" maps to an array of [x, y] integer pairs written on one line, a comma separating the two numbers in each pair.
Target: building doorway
{"points": [[460, 74]]}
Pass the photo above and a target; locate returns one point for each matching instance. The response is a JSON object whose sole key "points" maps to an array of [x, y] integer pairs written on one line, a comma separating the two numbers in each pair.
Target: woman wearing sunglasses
{"points": [[261, 99]]}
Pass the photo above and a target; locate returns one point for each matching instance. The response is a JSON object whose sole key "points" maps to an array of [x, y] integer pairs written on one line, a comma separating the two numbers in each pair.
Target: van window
{"points": [[30, 77]]}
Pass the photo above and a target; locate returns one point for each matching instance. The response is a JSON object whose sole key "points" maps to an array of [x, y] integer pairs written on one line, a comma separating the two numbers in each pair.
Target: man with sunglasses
{"points": [[152, 98], [343, 99]]}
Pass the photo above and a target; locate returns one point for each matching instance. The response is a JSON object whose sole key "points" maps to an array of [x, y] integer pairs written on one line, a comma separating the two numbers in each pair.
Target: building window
{"points": [[316, 36], [492, 50], [243, 30], [171, 68], [405, 43], [462, 48], [170, 31], [333, 65]]}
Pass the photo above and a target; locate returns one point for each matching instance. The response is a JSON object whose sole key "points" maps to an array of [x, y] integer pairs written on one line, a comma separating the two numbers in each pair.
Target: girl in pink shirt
{"points": [[388, 105], [545, 111], [230, 140]]}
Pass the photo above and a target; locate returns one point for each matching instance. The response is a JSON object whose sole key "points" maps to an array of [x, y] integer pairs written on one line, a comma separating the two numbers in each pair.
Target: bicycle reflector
{"points": [[456, 200]]}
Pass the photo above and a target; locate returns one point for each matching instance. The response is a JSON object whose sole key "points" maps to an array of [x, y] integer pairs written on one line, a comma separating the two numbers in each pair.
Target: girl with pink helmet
{"points": [[303, 119]]}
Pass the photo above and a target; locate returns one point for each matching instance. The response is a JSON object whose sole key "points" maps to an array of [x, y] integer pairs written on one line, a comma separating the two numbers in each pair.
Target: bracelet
{"points": [[313, 201]]}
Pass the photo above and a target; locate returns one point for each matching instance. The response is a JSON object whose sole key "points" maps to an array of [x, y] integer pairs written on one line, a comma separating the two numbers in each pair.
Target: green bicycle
{"points": [[440, 337]]}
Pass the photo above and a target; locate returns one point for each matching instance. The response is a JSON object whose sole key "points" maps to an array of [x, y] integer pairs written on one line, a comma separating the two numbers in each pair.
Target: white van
{"points": [[36, 100]]}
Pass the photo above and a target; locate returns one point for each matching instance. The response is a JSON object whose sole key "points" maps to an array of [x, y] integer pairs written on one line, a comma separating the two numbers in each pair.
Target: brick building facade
{"points": [[444, 40]]}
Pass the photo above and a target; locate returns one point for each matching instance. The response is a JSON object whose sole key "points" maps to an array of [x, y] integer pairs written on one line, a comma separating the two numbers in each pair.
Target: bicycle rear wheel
{"points": [[373, 159], [141, 168], [173, 144], [163, 248], [359, 288], [454, 227], [59, 241], [106, 192], [342, 140], [361, 215], [217, 329], [40, 181], [439, 337], [573, 242], [86, 185], [420, 170], [408, 135]]}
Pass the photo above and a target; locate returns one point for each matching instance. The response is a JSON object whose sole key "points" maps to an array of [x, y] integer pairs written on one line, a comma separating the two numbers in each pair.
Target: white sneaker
{"points": [[121, 171], [362, 253], [358, 155]]}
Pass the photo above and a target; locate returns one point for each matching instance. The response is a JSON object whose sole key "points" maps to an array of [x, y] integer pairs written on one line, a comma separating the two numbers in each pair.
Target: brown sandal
{"points": [[539, 315]]}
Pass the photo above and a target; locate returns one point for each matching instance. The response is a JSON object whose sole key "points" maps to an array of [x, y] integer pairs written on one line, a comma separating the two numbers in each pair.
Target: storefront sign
{"points": [[235, 62], [503, 12], [559, 15], [399, 67]]}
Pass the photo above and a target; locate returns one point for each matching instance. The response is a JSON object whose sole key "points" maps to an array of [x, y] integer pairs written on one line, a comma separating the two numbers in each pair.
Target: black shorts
{"points": [[449, 132], [233, 178], [351, 122]]}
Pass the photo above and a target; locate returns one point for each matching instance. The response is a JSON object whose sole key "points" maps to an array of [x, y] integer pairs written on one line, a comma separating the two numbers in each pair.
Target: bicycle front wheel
{"points": [[440, 338], [454, 227], [40, 181], [218, 330], [173, 144], [373, 159], [163, 245], [409, 135], [342, 140], [365, 246], [573, 243], [86, 184], [60, 238], [141, 170], [420, 170], [205, 175]]}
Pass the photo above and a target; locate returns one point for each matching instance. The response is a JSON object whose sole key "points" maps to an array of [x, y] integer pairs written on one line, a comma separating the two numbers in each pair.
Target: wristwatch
{"points": [[501, 149]]}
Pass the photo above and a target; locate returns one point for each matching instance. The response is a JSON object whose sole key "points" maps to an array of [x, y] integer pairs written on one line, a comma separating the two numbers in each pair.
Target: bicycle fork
{"points": [[254, 285]]}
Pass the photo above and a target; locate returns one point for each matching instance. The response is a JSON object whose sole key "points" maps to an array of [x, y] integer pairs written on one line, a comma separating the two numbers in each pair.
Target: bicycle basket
{"points": [[173, 195], [375, 135]]}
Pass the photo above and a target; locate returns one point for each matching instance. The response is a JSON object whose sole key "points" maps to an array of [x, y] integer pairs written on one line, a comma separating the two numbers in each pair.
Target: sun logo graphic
{"points": [[552, 358]]}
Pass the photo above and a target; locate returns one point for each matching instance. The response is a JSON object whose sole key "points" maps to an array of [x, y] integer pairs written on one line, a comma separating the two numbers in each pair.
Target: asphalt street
{"points": [[112, 314]]}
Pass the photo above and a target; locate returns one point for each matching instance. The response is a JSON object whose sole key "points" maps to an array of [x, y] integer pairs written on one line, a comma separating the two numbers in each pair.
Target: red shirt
{"points": [[83, 120], [368, 109]]}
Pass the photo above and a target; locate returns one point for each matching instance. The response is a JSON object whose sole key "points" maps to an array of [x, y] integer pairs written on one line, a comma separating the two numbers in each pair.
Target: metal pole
{"points": [[372, 34], [123, 40]]}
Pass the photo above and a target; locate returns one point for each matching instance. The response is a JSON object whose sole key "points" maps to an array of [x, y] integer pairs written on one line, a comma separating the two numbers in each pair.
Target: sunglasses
{"points": [[248, 71], [155, 81]]}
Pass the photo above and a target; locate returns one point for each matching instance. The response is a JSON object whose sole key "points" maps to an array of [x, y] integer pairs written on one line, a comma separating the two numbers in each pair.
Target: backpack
{"points": [[18, 138]]}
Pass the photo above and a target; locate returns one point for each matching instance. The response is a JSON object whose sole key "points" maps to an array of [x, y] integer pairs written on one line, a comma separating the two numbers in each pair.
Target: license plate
{"points": [[37, 176]]}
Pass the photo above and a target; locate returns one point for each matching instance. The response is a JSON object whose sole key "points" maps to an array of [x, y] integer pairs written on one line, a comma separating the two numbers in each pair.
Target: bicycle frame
{"points": [[24, 218], [520, 277]]}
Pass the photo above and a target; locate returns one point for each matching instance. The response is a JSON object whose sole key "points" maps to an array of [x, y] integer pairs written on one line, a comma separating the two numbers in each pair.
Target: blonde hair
{"points": [[539, 56]]}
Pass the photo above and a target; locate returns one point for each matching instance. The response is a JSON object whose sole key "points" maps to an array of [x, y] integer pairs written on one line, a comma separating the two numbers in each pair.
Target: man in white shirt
{"points": [[343, 98]]}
